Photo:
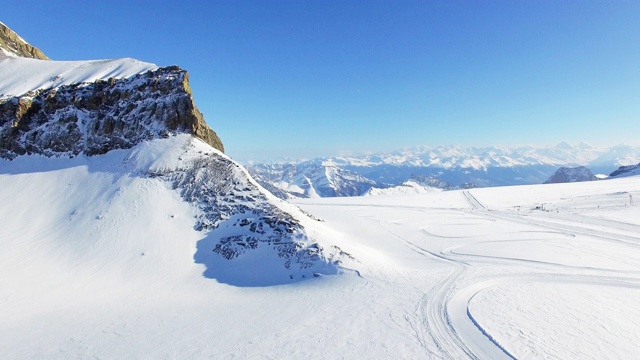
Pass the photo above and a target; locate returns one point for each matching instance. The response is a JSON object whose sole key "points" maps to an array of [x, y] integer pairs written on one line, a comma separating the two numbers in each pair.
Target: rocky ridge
{"points": [[101, 116]]}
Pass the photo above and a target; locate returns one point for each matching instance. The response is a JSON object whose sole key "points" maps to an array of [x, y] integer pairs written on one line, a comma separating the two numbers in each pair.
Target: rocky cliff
{"points": [[67, 108], [104, 115], [13, 44]]}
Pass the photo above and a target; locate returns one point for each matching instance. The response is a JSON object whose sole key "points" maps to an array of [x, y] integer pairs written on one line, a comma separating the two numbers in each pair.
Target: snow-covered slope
{"points": [[539, 271], [408, 187], [22, 75], [150, 113], [99, 260], [117, 204], [24, 68]]}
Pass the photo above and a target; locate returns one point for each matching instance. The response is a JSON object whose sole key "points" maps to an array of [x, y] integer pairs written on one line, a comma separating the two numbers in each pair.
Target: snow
{"points": [[97, 261], [408, 187], [481, 158], [21, 75]]}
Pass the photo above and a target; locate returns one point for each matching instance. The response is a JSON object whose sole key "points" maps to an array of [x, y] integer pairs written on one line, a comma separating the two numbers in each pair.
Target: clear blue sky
{"points": [[309, 78]]}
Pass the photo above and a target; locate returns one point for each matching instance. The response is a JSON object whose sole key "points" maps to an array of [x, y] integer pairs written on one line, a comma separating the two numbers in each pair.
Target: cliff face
{"points": [[97, 117], [14, 44]]}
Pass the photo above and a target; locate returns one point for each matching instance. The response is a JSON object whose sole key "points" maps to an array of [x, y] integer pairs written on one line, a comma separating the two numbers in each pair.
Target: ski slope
{"points": [[98, 262], [543, 271]]}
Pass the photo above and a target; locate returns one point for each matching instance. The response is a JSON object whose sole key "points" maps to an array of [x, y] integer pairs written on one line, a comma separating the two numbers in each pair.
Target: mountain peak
{"points": [[564, 145], [13, 45]]}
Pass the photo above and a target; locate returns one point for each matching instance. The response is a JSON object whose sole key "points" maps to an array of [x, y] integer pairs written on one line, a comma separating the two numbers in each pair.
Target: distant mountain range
{"points": [[457, 166]]}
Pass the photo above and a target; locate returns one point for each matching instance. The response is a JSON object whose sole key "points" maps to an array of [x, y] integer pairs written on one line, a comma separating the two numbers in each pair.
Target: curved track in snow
{"points": [[446, 310]]}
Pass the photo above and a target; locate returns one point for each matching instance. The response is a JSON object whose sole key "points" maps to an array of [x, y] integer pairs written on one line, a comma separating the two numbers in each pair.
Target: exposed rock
{"points": [[243, 224], [97, 117], [577, 174], [14, 44]]}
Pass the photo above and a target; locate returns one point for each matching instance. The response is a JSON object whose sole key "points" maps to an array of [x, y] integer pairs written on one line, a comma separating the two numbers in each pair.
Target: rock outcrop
{"points": [[93, 117], [565, 175], [15, 45], [97, 117]]}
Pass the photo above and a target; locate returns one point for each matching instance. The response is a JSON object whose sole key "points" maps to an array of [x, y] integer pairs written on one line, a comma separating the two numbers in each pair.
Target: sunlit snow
{"points": [[97, 262]]}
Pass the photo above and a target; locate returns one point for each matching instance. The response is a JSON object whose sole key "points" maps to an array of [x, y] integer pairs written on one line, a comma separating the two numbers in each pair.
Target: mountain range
{"points": [[457, 166]]}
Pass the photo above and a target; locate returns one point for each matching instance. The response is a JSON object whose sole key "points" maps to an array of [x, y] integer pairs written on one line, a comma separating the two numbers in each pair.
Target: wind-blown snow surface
{"points": [[408, 187], [108, 272], [21, 75]]}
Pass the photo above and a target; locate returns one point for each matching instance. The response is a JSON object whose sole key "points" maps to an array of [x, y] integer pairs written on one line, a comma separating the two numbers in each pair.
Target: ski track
{"points": [[444, 311], [442, 316], [447, 313]]}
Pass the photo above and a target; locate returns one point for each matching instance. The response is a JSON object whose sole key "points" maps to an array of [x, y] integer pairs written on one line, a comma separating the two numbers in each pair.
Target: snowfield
{"points": [[21, 75], [99, 262]]}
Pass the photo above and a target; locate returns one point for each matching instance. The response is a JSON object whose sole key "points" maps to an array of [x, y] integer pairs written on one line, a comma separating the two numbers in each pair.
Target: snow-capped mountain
{"points": [[310, 179], [462, 167], [94, 130], [482, 158]]}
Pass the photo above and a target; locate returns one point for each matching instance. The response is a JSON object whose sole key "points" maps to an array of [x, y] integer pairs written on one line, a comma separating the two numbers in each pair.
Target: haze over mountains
{"points": [[455, 166]]}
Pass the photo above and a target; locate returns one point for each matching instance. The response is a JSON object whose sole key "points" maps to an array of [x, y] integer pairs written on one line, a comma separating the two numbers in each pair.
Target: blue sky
{"points": [[313, 78]]}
